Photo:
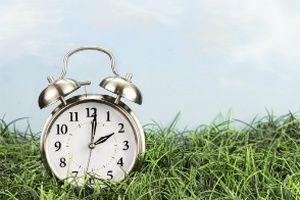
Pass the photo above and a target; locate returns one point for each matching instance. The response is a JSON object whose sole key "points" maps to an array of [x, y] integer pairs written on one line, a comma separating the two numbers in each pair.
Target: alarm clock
{"points": [[91, 138]]}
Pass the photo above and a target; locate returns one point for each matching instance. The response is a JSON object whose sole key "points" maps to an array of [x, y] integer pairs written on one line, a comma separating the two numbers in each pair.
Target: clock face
{"points": [[91, 140]]}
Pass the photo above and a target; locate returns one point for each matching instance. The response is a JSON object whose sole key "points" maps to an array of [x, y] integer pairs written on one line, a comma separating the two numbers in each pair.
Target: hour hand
{"points": [[103, 139]]}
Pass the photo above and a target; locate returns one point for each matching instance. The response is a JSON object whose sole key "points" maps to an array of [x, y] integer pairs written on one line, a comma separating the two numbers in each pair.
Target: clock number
{"points": [[121, 128], [75, 173], [57, 145], [73, 116], [126, 146], [120, 162], [63, 129], [91, 112], [107, 116], [62, 162], [110, 175]]}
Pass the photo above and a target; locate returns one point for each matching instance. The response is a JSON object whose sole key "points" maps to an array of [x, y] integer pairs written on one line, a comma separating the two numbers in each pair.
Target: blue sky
{"points": [[199, 57]]}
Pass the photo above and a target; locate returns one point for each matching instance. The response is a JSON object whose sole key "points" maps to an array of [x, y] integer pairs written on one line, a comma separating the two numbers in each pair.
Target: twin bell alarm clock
{"points": [[91, 138]]}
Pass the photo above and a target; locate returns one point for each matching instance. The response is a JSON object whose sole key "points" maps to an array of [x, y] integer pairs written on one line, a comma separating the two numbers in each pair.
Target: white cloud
{"points": [[22, 26], [137, 15], [258, 32], [229, 41], [28, 28], [275, 37]]}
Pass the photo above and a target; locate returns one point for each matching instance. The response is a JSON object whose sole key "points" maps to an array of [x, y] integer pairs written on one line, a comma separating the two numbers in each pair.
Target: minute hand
{"points": [[94, 126], [103, 139]]}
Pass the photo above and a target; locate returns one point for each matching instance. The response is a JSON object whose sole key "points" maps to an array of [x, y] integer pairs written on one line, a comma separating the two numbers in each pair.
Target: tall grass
{"points": [[216, 161]]}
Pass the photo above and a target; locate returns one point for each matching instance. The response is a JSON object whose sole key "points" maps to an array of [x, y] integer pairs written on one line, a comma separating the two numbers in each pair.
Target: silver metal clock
{"points": [[91, 137]]}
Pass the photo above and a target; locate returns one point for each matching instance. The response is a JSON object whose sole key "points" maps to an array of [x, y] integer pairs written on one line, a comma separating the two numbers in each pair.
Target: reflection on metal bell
{"points": [[123, 87], [58, 89]]}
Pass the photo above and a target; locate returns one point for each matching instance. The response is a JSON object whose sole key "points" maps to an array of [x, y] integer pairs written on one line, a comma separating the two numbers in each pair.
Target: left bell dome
{"points": [[56, 90]]}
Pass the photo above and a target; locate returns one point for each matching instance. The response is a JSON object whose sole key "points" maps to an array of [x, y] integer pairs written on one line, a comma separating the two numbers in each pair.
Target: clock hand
{"points": [[94, 127], [92, 145], [103, 139]]}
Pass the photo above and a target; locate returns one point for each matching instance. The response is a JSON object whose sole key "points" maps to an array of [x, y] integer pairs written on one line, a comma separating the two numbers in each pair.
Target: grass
{"points": [[217, 161]]}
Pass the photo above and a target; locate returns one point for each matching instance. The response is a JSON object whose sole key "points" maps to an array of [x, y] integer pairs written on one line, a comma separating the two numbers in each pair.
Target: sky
{"points": [[199, 58]]}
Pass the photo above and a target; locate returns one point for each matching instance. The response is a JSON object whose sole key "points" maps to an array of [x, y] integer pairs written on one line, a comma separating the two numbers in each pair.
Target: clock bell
{"points": [[58, 89]]}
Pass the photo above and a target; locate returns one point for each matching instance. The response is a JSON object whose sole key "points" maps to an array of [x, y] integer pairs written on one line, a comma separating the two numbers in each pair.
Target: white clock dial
{"points": [[91, 138]]}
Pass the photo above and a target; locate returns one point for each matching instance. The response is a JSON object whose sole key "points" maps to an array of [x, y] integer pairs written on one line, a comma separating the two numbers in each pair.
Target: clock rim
{"points": [[105, 99]]}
